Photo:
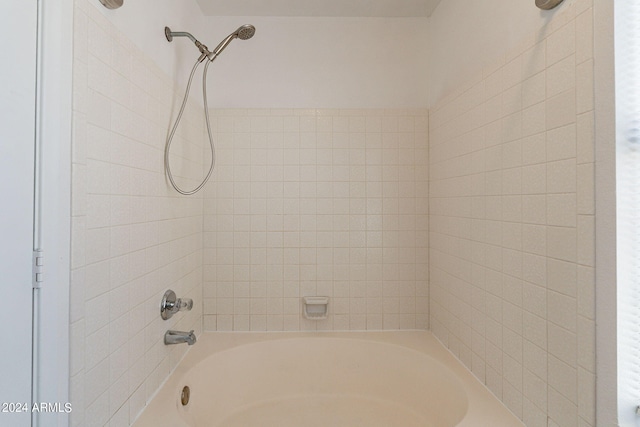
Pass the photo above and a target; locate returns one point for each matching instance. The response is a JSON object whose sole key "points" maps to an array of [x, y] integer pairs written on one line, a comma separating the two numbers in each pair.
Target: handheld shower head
{"points": [[245, 32]]}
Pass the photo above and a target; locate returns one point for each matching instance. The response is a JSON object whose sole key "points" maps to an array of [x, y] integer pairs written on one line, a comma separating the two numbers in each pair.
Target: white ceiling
{"points": [[335, 8]]}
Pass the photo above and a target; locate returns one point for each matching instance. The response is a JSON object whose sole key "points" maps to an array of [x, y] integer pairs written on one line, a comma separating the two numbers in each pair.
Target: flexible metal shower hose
{"points": [[167, 165]]}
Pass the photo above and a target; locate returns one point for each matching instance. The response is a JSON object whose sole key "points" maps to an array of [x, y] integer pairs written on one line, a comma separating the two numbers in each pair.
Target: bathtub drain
{"points": [[184, 396]]}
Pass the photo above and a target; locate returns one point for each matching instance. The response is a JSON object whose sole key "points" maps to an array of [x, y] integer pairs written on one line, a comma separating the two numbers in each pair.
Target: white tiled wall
{"points": [[132, 238], [512, 223], [317, 202], [479, 225]]}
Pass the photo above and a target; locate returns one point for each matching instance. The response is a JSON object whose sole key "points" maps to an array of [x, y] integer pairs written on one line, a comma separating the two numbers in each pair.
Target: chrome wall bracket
{"points": [[170, 305], [548, 4]]}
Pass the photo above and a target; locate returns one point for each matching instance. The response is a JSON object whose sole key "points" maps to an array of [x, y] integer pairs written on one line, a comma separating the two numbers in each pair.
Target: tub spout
{"points": [[178, 337]]}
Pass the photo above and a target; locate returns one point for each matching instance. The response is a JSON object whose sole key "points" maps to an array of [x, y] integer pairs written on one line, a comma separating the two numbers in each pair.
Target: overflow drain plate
{"points": [[185, 395]]}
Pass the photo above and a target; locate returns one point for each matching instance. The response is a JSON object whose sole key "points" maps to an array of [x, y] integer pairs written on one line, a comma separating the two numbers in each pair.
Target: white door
{"points": [[18, 21]]}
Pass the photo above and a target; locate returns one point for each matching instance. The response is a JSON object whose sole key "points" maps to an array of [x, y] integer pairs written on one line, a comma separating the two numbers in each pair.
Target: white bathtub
{"points": [[372, 379]]}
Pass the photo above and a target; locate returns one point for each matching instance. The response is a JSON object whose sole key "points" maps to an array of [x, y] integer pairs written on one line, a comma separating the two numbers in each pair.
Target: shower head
{"points": [[245, 32]]}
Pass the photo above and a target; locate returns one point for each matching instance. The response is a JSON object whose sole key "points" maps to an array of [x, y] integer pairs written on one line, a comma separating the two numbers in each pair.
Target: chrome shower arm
{"points": [[184, 34], [171, 34]]}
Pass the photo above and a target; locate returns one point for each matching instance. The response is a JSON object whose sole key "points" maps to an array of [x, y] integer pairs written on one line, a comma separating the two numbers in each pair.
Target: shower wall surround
{"points": [[317, 202], [511, 244], [132, 237], [475, 218]]}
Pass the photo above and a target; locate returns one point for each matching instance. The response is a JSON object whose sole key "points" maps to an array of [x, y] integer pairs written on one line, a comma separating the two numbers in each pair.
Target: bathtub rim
{"points": [[482, 404], [357, 348]]}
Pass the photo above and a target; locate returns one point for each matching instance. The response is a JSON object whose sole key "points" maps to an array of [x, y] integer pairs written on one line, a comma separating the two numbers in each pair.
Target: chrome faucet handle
{"points": [[170, 305]]}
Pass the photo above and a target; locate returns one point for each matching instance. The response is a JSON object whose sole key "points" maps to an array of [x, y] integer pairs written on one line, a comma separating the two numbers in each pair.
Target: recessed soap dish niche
{"points": [[315, 308]]}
